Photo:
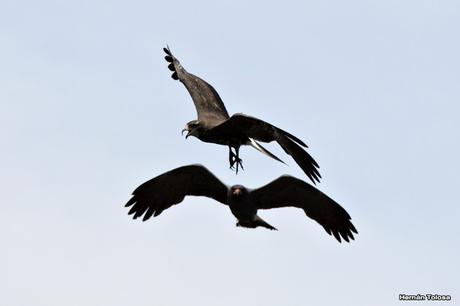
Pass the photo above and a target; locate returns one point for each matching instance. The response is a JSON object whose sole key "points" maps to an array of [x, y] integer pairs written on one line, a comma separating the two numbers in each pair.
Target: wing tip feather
{"points": [[131, 202], [167, 50], [171, 59]]}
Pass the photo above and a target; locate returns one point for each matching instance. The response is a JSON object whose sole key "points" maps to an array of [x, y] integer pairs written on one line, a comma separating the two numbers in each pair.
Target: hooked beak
{"points": [[188, 132], [237, 192]]}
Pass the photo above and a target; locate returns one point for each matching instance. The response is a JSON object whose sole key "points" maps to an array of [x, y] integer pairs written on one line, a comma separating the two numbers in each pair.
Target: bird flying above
{"points": [[170, 188], [214, 125]]}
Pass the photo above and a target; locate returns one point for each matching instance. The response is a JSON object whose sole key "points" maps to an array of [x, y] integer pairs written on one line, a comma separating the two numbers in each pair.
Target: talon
{"points": [[233, 158], [239, 163]]}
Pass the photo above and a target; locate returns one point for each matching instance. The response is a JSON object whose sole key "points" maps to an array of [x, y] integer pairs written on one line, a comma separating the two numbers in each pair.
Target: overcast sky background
{"points": [[88, 111]]}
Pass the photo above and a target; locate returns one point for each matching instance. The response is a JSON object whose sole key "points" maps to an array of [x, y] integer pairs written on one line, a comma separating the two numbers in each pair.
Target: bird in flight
{"points": [[170, 188], [214, 125]]}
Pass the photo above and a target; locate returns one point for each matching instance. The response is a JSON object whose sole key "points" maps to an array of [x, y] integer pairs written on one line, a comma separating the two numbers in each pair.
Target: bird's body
{"points": [[156, 195], [206, 134], [240, 205], [214, 125], [244, 209]]}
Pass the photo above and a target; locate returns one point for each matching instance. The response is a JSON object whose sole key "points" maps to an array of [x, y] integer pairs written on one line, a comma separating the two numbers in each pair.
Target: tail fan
{"points": [[258, 221]]}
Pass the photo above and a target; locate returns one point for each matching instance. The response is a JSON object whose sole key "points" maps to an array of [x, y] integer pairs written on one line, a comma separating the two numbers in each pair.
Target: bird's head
{"points": [[237, 191], [192, 128]]}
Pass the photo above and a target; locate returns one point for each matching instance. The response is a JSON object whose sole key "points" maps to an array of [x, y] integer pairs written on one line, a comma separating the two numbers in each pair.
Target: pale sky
{"points": [[88, 111]]}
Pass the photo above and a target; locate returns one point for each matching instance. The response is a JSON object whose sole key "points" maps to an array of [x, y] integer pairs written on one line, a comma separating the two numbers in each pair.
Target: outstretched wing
{"points": [[288, 191], [208, 104], [262, 131], [170, 188]]}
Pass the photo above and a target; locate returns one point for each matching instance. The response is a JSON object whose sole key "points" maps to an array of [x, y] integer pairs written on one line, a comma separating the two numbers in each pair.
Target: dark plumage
{"points": [[214, 125], [170, 188]]}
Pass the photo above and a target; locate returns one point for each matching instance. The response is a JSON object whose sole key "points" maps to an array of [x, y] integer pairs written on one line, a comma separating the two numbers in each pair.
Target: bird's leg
{"points": [[231, 157], [234, 158], [237, 159]]}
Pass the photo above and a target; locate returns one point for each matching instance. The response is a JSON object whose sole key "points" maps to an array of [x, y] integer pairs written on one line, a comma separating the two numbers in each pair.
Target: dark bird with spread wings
{"points": [[170, 188], [215, 126]]}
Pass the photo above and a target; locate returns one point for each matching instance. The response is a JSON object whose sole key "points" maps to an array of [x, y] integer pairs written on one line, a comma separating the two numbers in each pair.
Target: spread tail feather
{"points": [[258, 221]]}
